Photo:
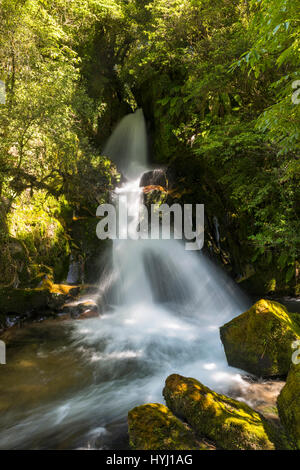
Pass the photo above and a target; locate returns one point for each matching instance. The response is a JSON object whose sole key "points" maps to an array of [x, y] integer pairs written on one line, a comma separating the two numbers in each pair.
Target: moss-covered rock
{"points": [[232, 425], [259, 341], [19, 304], [37, 240], [154, 427], [288, 404], [22, 301]]}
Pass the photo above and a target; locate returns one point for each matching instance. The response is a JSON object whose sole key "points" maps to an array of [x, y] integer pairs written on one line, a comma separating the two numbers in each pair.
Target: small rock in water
{"points": [[82, 310], [154, 178]]}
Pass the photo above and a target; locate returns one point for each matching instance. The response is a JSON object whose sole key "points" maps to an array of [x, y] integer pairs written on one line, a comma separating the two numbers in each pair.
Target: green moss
{"points": [[259, 341], [232, 425], [22, 301], [38, 243], [288, 404], [154, 427]]}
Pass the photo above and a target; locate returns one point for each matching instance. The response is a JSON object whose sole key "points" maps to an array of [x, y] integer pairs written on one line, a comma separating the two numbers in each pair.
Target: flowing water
{"points": [[127, 146], [70, 384]]}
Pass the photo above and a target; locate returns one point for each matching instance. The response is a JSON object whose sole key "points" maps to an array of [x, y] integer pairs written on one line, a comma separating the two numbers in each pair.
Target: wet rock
{"points": [[288, 404], [259, 341], [74, 291], [231, 424], [23, 301], [154, 178], [82, 310], [56, 301], [154, 184], [17, 305], [154, 427]]}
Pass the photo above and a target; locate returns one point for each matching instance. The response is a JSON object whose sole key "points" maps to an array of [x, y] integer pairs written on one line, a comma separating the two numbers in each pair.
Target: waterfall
{"points": [[164, 309], [166, 305], [161, 274], [217, 231], [127, 146]]}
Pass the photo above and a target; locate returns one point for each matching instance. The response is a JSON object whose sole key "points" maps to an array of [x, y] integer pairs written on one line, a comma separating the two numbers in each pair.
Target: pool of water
{"points": [[68, 386]]}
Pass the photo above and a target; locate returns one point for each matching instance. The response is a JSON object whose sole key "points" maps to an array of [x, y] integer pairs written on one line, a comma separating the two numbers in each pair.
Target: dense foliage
{"points": [[218, 81], [46, 124]]}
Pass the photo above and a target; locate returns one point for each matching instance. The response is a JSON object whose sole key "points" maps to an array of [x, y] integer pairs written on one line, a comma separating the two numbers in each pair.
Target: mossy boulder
{"points": [[37, 242], [288, 404], [231, 424], [21, 301], [259, 340], [19, 304], [154, 427]]}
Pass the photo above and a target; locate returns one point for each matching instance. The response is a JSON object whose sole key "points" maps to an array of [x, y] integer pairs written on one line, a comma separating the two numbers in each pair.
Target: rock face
{"points": [[154, 178], [154, 427], [154, 184], [231, 424], [259, 341], [288, 404]]}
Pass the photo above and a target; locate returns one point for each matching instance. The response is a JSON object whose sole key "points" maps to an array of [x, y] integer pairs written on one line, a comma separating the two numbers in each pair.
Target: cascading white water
{"points": [[127, 146], [166, 307]]}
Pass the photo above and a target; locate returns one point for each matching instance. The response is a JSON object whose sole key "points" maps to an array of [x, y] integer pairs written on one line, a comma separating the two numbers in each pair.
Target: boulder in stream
{"points": [[154, 427], [231, 424], [17, 305], [259, 341], [154, 178]]}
